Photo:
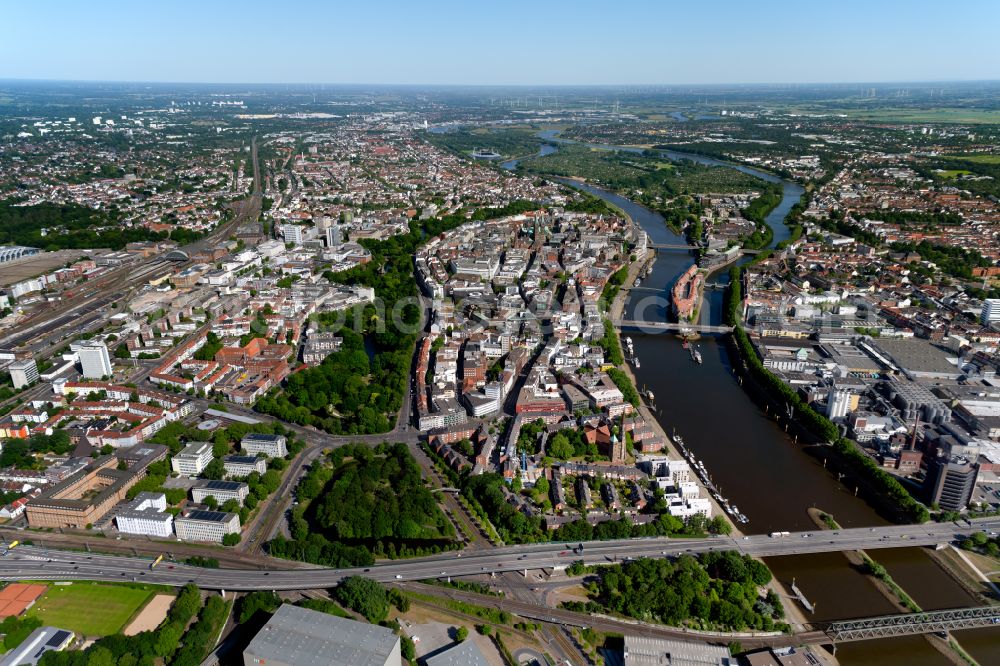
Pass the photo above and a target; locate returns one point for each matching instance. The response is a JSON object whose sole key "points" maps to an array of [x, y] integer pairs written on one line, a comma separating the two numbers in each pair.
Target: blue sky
{"points": [[543, 42]]}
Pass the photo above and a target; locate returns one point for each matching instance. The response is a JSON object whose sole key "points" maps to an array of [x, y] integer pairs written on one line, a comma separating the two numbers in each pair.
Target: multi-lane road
{"points": [[25, 562]]}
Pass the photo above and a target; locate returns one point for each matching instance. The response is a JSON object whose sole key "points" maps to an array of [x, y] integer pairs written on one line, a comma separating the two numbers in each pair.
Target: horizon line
{"points": [[501, 85]]}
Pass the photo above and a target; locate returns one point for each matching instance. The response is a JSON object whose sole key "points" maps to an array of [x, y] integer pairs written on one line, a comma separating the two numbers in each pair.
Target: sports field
{"points": [[89, 609]]}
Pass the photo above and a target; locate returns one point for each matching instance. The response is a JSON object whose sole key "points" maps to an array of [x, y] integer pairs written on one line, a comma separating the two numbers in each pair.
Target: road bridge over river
{"points": [[28, 562], [669, 326]]}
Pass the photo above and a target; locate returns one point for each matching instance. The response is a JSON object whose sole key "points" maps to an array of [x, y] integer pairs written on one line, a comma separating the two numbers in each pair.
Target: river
{"points": [[759, 468]]}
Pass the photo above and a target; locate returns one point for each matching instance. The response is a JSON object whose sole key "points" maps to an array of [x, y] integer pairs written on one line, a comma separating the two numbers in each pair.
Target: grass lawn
{"points": [[89, 609], [979, 158], [952, 173]]}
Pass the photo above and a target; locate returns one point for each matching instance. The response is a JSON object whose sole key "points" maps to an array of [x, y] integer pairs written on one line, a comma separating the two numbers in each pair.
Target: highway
{"points": [[26, 562]]}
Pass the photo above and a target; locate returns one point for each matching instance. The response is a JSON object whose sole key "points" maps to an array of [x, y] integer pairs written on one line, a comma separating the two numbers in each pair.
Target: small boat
{"points": [[636, 361], [649, 395], [637, 281]]}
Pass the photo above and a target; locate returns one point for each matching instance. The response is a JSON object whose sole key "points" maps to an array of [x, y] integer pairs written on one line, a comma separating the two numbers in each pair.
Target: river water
{"points": [[759, 468]]}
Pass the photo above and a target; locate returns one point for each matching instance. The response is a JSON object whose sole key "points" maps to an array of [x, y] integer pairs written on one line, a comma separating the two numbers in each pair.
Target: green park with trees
{"points": [[722, 591], [362, 502]]}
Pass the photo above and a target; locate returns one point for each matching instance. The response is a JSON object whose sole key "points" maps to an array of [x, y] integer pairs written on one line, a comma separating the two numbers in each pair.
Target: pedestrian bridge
{"points": [[886, 626], [668, 326]]}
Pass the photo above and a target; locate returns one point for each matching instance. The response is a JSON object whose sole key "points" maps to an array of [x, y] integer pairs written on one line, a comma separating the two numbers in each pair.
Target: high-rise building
{"points": [[23, 373], [838, 403], [95, 360], [333, 235], [292, 233], [951, 481], [990, 312]]}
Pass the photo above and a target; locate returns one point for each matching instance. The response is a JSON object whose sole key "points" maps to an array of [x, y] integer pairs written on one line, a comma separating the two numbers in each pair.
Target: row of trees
{"points": [[819, 425]]}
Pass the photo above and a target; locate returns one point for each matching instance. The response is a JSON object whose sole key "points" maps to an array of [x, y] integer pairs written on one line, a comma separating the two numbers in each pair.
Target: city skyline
{"points": [[481, 332], [579, 44]]}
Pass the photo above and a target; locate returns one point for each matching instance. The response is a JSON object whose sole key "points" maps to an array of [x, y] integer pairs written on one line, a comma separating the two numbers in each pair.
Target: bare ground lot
{"points": [[29, 267], [151, 616]]}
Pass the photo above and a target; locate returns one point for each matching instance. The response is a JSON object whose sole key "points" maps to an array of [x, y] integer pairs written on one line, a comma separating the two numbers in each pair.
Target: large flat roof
{"points": [[466, 653], [640, 651], [919, 355], [306, 637]]}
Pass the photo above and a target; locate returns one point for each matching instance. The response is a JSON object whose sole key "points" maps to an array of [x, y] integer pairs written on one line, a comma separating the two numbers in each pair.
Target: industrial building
{"points": [[640, 651], [466, 653], [301, 637]]}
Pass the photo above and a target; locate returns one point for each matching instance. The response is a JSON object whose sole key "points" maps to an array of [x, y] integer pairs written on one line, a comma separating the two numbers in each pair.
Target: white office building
{"points": [[238, 467], [95, 360], [990, 312], [682, 508], [221, 491], [292, 233], [206, 525], [23, 373], [146, 515], [193, 459], [272, 446]]}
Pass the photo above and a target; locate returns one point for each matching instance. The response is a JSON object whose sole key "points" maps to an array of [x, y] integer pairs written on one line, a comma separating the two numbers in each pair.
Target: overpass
{"points": [[39, 563], [669, 326]]}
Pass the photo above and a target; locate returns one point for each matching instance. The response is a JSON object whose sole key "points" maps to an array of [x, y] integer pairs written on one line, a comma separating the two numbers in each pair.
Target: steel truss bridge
{"points": [[907, 624]]}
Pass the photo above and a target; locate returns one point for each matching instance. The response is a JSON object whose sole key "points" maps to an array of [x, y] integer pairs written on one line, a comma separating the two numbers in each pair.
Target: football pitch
{"points": [[89, 609]]}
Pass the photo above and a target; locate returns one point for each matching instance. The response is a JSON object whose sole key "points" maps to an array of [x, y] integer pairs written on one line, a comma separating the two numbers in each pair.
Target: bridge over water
{"points": [[667, 247], [906, 624], [668, 326]]}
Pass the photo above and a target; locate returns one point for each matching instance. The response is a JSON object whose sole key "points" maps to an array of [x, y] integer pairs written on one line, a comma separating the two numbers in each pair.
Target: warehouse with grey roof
{"points": [[301, 637]]}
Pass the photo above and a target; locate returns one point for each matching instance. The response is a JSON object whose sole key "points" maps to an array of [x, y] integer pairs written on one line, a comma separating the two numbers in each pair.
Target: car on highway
{"points": [[399, 577]]}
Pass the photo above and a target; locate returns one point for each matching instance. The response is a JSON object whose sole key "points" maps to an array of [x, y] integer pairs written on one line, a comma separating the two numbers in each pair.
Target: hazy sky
{"points": [[509, 42]]}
